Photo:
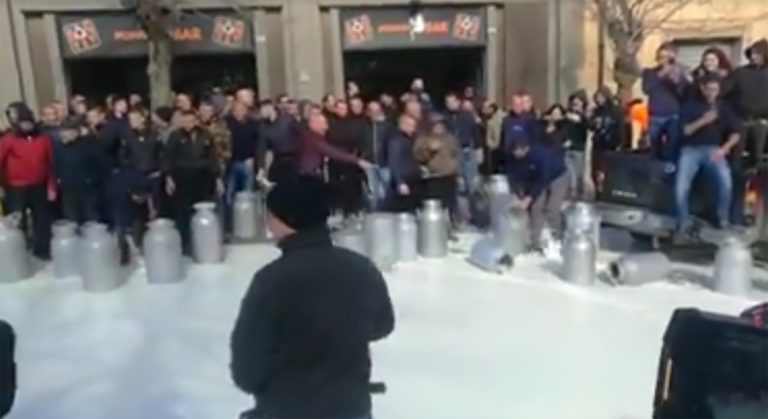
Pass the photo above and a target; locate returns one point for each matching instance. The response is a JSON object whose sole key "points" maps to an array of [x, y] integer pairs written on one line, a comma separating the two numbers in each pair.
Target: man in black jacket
{"points": [[275, 136], [300, 343], [80, 169]]}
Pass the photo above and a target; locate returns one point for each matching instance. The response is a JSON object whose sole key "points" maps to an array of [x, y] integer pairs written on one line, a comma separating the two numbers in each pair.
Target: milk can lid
{"points": [[205, 206]]}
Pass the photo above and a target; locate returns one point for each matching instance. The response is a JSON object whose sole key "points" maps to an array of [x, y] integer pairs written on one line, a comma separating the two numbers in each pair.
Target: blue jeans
{"points": [[693, 159], [661, 127], [469, 175], [378, 180]]}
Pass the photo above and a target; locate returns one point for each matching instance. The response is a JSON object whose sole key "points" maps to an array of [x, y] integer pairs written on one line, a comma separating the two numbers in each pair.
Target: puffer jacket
{"points": [[439, 154]]}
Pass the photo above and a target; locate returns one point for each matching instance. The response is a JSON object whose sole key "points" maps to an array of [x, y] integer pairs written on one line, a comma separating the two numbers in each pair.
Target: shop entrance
{"points": [[195, 74], [443, 70]]}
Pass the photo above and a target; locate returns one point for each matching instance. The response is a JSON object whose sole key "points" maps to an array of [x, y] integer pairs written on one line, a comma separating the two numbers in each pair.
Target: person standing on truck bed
{"points": [[711, 130]]}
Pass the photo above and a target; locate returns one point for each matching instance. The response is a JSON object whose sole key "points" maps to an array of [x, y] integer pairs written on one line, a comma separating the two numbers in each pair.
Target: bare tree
{"points": [[627, 24], [157, 18]]}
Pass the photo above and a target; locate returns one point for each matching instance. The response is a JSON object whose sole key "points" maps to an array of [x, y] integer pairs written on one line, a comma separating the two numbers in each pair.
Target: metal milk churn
{"points": [[162, 252], [433, 230], [207, 240], [499, 198], [407, 237], [579, 259], [244, 214], [351, 239], [582, 216], [733, 267], [487, 255], [639, 268], [14, 260], [65, 249], [381, 239], [100, 261], [510, 230]]}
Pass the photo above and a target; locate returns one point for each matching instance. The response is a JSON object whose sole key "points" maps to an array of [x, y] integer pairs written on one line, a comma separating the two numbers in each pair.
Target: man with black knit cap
{"points": [[300, 343]]}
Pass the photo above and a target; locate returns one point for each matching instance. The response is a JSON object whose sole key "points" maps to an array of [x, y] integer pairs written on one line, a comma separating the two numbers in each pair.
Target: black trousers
{"points": [[192, 186], [347, 184], [79, 204], [283, 168], [756, 139], [35, 200], [410, 202], [443, 189]]}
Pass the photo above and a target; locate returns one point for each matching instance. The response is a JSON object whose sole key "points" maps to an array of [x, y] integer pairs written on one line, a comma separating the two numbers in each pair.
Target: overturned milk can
{"points": [[381, 239], [407, 237], [733, 267], [100, 259], [639, 268], [579, 259], [489, 256], [582, 216], [433, 230], [207, 240], [14, 260], [65, 249], [510, 228], [162, 252]]}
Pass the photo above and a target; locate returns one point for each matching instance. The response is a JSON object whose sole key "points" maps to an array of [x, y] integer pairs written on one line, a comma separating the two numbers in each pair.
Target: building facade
{"points": [[53, 48]]}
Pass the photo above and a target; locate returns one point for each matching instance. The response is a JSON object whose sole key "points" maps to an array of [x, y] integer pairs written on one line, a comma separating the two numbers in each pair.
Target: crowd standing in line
{"points": [[122, 163]]}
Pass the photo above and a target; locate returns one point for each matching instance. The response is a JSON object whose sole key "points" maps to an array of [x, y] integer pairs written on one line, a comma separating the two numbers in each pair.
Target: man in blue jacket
{"points": [[537, 175], [665, 86]]}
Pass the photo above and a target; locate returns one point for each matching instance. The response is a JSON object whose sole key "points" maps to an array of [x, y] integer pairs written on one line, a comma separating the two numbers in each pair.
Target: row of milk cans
{"points": [[91, 251]]}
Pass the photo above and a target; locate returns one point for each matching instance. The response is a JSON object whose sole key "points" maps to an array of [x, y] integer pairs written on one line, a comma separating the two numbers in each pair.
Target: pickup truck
{"points": [[637, 194]]}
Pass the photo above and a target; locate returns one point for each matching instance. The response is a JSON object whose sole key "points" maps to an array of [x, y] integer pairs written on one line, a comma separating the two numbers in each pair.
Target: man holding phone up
{"points": [[665, 86], [710, 131]]}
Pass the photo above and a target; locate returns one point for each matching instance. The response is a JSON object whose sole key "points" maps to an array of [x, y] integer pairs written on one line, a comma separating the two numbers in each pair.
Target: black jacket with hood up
{"points": [[750, 84], [300, 343]]}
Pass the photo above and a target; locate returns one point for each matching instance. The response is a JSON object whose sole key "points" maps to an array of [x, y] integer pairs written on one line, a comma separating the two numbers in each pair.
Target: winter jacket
{"points": [[577, 128], [276, 136], [111, 135], [300, 342], [438, 154], [664, 93], [222, 141], [518, 127], [26, 159], [348, 133], [140, 151], [375, 141], [749, 84], [82, 164], [555, 135], [606, 123], [464, 127], [532, 175], [314, 149], [190, 151], [245, 135], [401, 159], [493, 130], [54, 133]]}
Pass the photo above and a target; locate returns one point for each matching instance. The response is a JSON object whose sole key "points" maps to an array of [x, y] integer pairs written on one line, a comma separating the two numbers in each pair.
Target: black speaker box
{"points": [[712, 367]]}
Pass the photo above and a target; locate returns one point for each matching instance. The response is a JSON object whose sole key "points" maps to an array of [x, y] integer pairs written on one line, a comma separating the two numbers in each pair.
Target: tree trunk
{"points": [[159, 71], [626, 71]]}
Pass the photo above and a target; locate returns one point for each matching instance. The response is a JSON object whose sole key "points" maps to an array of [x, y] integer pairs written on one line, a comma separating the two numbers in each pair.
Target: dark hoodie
{"points": [[750, 84]]}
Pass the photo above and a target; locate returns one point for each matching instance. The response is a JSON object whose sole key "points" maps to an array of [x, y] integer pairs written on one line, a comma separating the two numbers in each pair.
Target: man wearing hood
{"points": [[26, 171], [750, 84], [300, 342]]}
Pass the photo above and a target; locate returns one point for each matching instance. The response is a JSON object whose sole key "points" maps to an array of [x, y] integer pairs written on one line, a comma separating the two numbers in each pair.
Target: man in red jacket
{"points": [[26, 170]]}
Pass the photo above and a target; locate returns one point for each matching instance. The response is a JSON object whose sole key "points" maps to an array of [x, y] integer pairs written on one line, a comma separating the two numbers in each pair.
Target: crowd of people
{"points": [[122, 163]]}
